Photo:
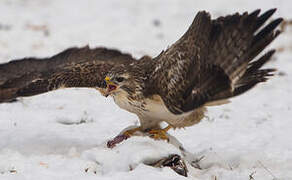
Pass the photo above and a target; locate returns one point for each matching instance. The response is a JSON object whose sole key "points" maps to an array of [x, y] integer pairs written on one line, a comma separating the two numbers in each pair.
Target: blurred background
{"points": [[44, 27]]}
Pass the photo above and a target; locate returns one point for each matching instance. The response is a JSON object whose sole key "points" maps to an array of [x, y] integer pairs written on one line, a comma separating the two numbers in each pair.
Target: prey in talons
{"points": [[157, 134]]}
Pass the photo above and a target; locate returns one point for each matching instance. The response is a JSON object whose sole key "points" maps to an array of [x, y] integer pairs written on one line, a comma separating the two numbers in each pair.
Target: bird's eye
{"points": [[120, 79]]}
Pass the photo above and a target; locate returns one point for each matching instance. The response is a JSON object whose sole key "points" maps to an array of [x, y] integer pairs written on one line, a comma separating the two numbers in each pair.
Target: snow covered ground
{"points": [[60, 134]]}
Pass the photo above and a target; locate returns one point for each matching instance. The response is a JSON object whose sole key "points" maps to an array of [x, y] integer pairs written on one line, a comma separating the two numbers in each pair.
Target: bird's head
{"points": [[120, 80], [115, 83], [126, 80]]}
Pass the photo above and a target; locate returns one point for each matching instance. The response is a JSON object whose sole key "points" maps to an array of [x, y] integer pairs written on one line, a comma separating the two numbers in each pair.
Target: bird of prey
{"points": [[214, 60]]}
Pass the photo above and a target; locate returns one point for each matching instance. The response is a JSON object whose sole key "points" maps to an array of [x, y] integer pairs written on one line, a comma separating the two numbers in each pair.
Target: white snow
{"points": [[60, 134]]}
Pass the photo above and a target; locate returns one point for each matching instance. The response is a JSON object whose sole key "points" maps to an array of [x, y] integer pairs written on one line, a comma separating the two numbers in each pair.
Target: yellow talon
{"points": [[154, 133], [160, 133], [131, 132]]}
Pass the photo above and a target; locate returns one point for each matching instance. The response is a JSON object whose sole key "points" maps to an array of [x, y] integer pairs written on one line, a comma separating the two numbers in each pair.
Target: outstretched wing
{"points": [[214, 60], [74, 67]]}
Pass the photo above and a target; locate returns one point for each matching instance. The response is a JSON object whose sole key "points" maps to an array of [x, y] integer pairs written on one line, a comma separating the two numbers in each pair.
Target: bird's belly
{"points": [[153, 109], [157, 110]]}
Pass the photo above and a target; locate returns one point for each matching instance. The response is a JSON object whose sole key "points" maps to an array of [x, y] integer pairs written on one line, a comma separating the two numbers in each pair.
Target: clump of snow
{"points": [[99, 161], [141, 150], [63, 134]]}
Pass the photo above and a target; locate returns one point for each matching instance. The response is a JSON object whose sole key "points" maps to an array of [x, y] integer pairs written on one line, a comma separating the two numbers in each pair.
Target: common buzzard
{"points": [[212, 62]]}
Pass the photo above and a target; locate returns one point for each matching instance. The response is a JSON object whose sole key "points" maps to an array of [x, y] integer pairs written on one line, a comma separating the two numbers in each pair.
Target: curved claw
{"points": [[158, 134]]}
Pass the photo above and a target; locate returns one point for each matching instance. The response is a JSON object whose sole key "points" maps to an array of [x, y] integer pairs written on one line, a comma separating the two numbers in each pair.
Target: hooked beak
{"points": [[110, 86]]}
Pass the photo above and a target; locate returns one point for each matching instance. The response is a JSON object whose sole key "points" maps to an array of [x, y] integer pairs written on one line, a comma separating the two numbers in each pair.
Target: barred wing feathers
{"points": [[74, 67], [215, 60]]}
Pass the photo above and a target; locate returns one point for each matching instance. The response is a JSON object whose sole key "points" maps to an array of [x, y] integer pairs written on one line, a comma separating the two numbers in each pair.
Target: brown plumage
{"points": [[74, 67], [213, 61]]}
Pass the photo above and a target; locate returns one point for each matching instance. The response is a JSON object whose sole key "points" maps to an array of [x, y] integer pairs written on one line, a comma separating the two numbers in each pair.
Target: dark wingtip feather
{"points": [[268, 29], [8, 95], [254, 75], [252, 17], [260, 62], [244, 88], [277, 33], [264, 17], [255, 13], [249, 80]]}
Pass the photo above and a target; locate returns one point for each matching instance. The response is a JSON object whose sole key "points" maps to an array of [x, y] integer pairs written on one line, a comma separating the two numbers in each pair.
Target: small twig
{"points": [[195, 163], [223, 160], [269, 171], [251, 175]]}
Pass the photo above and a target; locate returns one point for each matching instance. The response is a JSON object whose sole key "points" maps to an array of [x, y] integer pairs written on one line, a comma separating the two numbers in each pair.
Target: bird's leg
{"points": [[123, 136], [156, 134], [131, 132], [160, 133]]}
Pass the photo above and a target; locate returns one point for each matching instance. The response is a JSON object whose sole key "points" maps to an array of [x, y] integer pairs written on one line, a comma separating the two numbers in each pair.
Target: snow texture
{"points": [[63, 134]]}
